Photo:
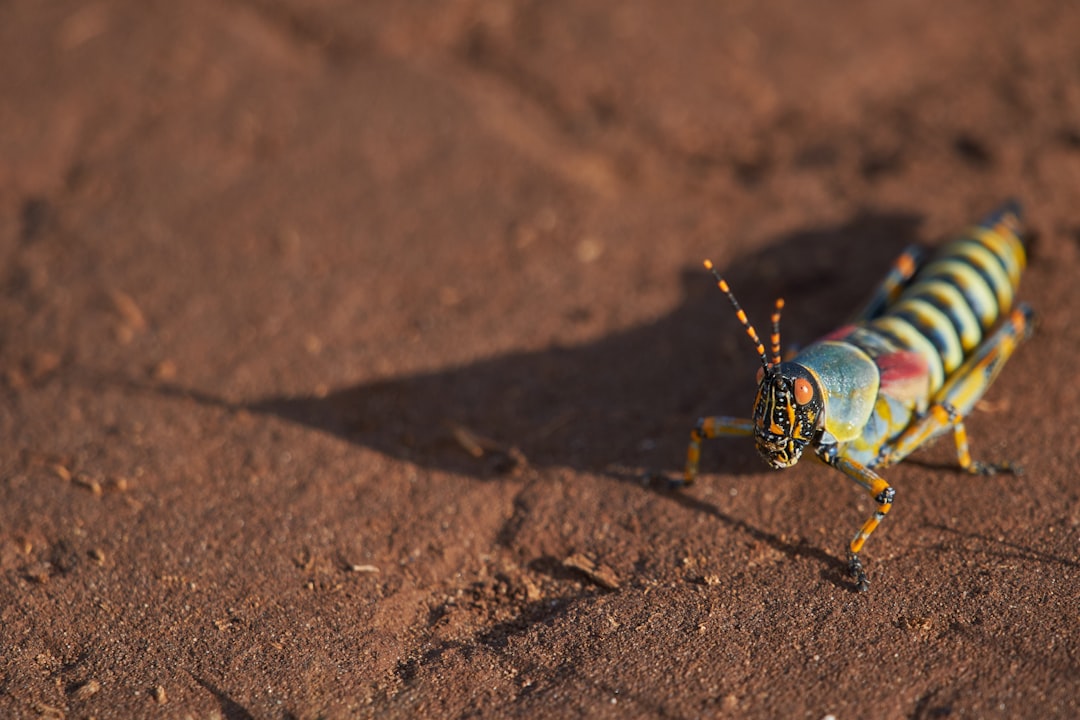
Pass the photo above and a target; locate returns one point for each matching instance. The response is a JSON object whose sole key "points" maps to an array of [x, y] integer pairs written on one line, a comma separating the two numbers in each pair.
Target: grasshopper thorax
{"points": [[788, 411]]}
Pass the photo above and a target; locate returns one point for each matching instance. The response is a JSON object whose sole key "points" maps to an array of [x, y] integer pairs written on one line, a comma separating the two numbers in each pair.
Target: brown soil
{"points": [[342, 343]]}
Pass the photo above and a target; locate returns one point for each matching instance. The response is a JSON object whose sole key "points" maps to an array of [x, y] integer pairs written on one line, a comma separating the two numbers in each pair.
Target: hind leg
{"points": [[954, 401]]}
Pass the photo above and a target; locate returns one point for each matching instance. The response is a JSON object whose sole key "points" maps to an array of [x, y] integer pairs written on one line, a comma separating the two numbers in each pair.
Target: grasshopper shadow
{"points": [[627, 400]]}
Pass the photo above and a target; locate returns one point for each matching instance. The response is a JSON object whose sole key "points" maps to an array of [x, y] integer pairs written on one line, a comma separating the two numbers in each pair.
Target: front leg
{"points": [[883, 495], [710, 427]]}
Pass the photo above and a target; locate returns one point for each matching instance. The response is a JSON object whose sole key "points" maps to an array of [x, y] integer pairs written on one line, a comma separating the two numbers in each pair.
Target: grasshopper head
{"points": [[790, 407], [787, 413]]}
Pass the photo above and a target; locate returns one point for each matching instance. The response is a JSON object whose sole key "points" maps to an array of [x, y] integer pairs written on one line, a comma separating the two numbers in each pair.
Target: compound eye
{"points": [[760, 374], [804, 391]]}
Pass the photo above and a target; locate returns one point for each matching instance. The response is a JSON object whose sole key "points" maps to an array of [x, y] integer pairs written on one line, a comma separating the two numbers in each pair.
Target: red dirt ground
{"points": [[338, 339]]}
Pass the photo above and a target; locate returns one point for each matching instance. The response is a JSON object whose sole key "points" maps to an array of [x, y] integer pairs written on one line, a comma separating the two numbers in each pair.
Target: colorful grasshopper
{"points": [[911, 366]]}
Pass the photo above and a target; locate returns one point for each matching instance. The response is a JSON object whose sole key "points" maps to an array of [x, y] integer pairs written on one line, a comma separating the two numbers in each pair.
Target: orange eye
{"points": [[760, 374], [804, 391]]}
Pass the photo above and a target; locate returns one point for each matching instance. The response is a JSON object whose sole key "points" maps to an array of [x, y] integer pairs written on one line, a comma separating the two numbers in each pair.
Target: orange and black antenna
{"points": [[776, 331], [741, 314]]}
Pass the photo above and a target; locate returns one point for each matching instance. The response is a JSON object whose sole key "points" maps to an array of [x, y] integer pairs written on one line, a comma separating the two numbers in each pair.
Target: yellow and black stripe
{"points": [[958, 295]]}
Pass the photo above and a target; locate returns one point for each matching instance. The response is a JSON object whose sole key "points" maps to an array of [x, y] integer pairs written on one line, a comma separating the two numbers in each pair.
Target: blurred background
{"points": [[329, 331]]}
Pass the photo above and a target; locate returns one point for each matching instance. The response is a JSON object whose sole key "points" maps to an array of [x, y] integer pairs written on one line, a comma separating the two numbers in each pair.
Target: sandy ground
{"points": [[338, 342]]}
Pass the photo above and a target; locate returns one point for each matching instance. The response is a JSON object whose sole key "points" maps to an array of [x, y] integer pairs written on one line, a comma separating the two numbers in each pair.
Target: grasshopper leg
{"points": [[954, 401], [882, 493], [974, 467], [707, 428], [902, 270]]}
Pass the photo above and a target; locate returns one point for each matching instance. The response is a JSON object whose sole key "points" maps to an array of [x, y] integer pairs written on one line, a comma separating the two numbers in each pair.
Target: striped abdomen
{"points": [[954, 300]]}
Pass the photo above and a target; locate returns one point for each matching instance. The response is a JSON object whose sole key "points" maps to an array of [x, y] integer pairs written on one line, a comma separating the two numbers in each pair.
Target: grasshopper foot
{"points": [[667, 481], [981, 468], [855, 570], [678, 483]]}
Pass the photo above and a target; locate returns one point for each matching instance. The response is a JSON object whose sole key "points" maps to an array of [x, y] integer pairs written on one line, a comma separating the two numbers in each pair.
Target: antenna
{"points": [[776, 331], [741, 314]]}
